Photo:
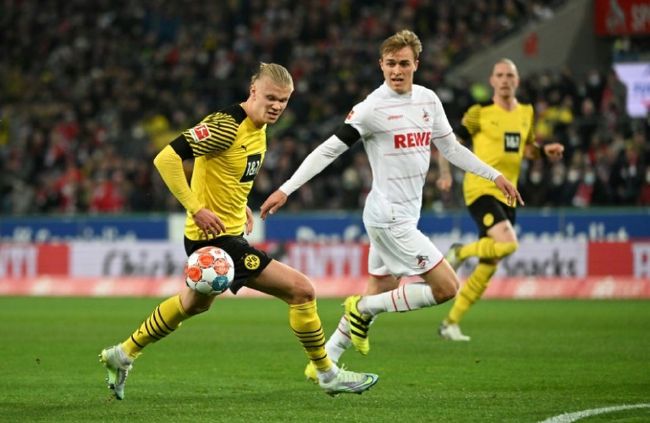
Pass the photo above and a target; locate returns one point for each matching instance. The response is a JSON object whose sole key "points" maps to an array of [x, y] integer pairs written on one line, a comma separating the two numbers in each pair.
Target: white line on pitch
{"points": [[572, 417]]}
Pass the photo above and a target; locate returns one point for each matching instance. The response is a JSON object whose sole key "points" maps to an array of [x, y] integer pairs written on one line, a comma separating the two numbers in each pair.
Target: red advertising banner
{"points": [[622, 17], [539, 269], [619, 259], [30, 260]]}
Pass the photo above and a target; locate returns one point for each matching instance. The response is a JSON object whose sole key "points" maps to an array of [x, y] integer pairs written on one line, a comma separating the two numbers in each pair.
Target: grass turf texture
{"points": [[527, 361]]}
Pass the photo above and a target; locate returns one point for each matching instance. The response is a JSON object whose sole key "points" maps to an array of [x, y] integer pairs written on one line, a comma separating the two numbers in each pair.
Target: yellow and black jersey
{"points": [[499, 138], [228, 151]]}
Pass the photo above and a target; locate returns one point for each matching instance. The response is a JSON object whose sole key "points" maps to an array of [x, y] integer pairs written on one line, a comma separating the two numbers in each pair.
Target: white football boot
{"points": [[451, 331], [117, 365]]}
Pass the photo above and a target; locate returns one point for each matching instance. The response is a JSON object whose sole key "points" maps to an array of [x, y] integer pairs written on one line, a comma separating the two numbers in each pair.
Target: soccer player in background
{"points": [[502, 135], [228, 149], [397, 124]]}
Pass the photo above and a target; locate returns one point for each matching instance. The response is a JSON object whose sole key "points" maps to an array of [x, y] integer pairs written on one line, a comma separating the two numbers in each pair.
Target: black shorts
{"points": [[487, 211], [249, 261]]}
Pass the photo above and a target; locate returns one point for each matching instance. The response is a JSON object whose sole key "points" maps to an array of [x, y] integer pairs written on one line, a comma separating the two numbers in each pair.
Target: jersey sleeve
{"points": [[170, 166], [471, 120], [358, 118], [348, 134], [440, 123], [214, 134], [530, 137]]}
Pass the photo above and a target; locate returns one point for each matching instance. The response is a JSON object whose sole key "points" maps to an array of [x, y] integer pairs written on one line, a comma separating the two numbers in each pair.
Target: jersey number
{"points": [[511, 141], [253, 164]]}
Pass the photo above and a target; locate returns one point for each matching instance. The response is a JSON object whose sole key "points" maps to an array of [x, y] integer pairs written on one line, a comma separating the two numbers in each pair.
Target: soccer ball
{"points": [[209, 270]]}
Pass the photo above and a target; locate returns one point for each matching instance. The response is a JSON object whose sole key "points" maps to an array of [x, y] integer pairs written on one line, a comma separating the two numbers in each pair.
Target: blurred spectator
{"points": [[91, 91], [644, 196]]}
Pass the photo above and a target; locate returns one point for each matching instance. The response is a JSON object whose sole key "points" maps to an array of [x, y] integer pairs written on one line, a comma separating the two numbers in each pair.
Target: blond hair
{"points": [[399, 40], [277, 73], [506, 61]]}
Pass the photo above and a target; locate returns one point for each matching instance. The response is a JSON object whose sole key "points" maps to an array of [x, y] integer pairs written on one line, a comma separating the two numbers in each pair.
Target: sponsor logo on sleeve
{"points": [[200, 132]]}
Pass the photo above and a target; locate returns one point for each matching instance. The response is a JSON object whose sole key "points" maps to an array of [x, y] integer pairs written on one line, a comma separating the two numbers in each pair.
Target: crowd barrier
{"points": [[568, 268]]}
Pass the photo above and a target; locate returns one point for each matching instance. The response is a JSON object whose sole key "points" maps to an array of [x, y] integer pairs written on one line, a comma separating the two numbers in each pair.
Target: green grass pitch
{"points": [[527, 361]]}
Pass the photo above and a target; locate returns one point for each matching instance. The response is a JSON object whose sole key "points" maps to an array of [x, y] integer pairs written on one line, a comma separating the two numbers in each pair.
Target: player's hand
{"points": [[273, 203], [510, 191], [444, 181], [553, 151], [208, 222], [249, 220]]}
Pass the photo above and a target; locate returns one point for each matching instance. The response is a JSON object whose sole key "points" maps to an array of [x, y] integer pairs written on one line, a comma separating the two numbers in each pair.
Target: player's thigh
{"points": [[379, 284], [493, 218], [402, 250], [502, 232], [283, 282]]}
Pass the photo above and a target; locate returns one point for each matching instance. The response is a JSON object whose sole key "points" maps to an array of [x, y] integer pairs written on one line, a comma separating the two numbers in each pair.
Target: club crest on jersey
{"points": [[422, 261], [425, 116], [200, 132]]}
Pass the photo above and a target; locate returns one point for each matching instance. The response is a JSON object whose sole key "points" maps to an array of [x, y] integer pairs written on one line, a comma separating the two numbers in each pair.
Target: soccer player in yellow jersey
{"points": [[228, 149], [502, 135]]}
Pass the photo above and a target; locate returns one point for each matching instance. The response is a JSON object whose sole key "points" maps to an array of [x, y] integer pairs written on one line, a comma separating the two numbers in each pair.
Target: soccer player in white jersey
{"points": [[397, 124]]}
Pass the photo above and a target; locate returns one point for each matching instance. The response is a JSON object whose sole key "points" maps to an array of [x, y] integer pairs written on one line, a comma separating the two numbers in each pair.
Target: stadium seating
{"points": [[91, 93]]}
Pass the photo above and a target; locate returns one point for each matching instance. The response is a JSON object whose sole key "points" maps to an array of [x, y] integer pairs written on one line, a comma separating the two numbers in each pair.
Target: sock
{"points": [[164, 320], [306, 325], [471, 291], [339, 341], [487, 248], [410, 296]]}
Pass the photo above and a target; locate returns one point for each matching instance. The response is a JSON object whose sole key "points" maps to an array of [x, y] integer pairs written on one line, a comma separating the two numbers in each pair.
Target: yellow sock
{"points": [[487, 248], [471, 291], [164, 320], [306, 325]]}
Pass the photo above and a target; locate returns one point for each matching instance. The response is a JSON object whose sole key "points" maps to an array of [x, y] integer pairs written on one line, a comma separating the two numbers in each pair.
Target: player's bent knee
{"points": [[195, 303], [445, 290], [302, 291], [504, 249], [197, 307], [442, 296]]}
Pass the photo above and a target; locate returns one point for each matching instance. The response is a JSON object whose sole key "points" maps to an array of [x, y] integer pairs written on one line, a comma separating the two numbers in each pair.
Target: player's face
{"points": [[398, 68], [269, 100], [504, 80]]}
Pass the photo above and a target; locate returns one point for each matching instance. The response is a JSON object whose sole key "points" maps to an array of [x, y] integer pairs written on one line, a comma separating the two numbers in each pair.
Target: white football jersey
{"points": [[397, 131]]}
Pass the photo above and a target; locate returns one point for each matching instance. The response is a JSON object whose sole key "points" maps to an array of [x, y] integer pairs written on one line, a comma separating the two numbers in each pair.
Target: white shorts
{"points": [[400, 250]]}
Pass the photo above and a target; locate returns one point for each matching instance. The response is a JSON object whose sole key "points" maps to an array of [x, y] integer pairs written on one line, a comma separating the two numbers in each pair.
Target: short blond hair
{"points": [[399, 40], [506, 61], [277, 73]]}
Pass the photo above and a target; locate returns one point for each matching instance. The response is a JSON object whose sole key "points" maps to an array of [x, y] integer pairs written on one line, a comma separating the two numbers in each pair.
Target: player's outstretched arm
{"points": [[509, 190], [273, 203], [444, 181], [313, 164]]}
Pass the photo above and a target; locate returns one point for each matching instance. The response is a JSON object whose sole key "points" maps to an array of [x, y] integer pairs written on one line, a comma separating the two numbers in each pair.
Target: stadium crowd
{"points": [[93, 90]]}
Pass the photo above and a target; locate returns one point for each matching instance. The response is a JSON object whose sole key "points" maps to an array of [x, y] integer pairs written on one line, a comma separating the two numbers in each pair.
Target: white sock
{"points": [[410, 296], [339, 341], [326, 376]]}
